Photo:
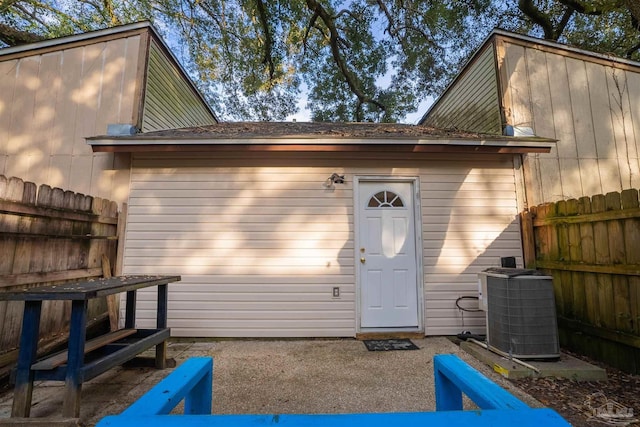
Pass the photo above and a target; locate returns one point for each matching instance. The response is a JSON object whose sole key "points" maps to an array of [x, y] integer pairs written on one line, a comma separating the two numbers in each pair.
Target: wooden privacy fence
{"points": [[50, 236], [591, 247]]}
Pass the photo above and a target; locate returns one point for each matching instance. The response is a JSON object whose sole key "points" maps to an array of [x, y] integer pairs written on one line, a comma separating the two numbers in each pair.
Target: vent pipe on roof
{"points": [[121, 129], [516, 131]]}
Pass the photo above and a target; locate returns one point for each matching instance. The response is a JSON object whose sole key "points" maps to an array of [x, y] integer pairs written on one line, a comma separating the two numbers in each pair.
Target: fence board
{"points": [[620, 286], [39, 230], [576, 286], [632, 252], [588, 256], [591, 247], [563, 253], [605, 283]]}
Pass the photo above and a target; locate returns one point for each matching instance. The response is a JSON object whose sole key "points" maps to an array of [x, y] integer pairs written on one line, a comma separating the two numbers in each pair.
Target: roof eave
{"points": [[533, 41], [74, 38], [500, 145]]}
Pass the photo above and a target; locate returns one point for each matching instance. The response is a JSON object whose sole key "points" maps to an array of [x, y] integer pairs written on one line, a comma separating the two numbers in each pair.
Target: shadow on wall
{"points": [[261, 244], [465, 234], [49, 103]]}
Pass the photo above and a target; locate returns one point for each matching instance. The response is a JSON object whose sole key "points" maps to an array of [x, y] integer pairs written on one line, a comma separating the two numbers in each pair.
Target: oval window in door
{"points": [[385, 199]]}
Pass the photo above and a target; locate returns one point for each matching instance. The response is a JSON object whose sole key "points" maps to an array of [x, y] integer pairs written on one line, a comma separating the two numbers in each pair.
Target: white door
{"points": [[387, 255]]}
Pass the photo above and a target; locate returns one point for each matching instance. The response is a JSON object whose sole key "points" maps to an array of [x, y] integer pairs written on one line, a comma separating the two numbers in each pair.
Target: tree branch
{"points": [[394, 30], [634, 9], [312, 24], [568, 13], [31, 15], [532, 12], [268, 38], [345, 12], [590, 9], [350, 79], [629, 53], [13, 37], [6, 4]]}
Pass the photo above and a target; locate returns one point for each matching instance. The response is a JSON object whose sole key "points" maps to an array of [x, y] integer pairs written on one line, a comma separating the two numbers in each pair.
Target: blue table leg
{"points": [[23, 390], [448, 395], [130, 314], [161, 323], [75, 361]]}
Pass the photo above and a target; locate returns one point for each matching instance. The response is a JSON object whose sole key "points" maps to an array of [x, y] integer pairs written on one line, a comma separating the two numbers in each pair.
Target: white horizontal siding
{"points": [[260, 248], [469, 223]]}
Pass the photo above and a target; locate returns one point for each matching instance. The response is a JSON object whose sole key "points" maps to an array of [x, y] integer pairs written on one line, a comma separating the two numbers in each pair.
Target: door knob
{"points": [[362, 260]]}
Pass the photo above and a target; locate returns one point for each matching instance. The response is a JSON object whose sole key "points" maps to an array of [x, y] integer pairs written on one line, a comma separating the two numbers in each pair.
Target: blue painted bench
{"points": [[192, 382]]}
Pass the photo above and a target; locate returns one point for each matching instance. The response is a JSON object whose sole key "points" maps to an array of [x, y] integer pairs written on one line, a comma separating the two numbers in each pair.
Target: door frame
{"points": [[417, 218]]}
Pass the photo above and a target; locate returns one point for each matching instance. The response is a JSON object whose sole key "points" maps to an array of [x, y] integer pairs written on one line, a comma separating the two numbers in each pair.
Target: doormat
{"points": [[388, 345]]}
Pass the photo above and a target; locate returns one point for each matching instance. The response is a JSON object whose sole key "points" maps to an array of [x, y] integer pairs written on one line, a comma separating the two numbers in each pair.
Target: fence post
{"points": [[528, 239]]}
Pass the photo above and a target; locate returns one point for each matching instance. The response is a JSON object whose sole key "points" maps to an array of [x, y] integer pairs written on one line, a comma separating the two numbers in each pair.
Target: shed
{"points": [[56, 92], [278, 229], [587, 101], [319, 229]]}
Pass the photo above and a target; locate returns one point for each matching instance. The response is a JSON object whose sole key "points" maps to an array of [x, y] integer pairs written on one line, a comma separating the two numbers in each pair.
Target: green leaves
{"points": [[356, 60]]}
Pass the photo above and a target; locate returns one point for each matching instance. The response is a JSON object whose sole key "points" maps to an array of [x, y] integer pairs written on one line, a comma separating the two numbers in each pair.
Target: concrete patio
{"points": [[269, 376]]}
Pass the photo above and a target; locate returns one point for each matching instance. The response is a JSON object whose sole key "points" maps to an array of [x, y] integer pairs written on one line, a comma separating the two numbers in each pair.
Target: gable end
{"points": [[471, 102]]}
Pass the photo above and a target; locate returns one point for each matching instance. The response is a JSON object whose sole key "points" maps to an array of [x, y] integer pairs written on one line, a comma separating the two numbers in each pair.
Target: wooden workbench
{"points": [[84, 359]]}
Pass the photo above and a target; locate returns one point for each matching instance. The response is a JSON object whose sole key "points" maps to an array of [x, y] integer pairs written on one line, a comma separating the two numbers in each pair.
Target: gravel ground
{"points": [[329, 376], [269, 376]]}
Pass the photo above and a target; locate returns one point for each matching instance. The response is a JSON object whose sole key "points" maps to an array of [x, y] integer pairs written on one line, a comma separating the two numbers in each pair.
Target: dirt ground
{"points": [[571, 398]]}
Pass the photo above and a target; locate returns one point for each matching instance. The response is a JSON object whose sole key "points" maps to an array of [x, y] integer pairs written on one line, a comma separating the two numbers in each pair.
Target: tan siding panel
{"points": [[69, 102], [112, 84], [623, 130], [541, 105], [589, 108], [170, 101], [21, 141], [561, 105], [260, 248], [601, 111], [59, 170], [87, 96], [8, 71], [633, 85], [585, 140], [45, 104], [542, 123], [130, 83], [518, 86], [590, 176], [81, 169], [471, 103], [65, 96]]}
